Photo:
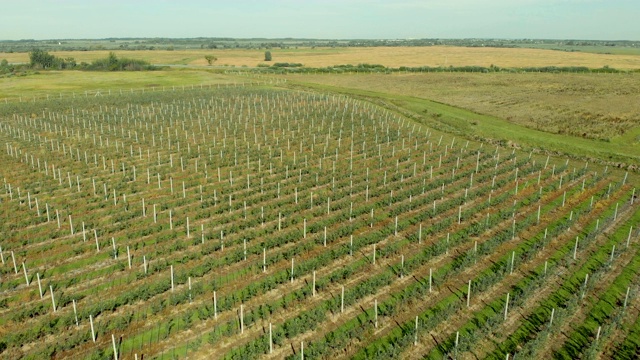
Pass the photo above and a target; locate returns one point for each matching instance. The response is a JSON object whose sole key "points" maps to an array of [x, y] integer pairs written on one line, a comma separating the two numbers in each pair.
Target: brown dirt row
{"points": [[461, 281], [440, 215], [420, 273], [486, 345]]}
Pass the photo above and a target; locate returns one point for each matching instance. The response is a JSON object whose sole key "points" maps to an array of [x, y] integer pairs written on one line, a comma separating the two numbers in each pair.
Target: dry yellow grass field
{"points": [[387, 56], [597, 106]]}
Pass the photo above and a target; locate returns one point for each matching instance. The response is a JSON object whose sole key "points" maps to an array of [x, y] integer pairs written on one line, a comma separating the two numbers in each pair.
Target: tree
{"points": [[41, 58], [267, 55], [210, 59]]}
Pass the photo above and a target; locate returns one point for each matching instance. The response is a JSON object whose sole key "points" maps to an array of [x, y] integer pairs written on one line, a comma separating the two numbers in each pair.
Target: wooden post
{"points": [[325, 237], [75, 312], [93, 333], [314, 283], [241, 319], [513, 260], [350, 245], [626, 298], [553, 311], [506, 307], [420, 234], [374, 254], [129, 257], [628, 239], [270, 339], [144, 263], [172, 285], [264, 260], [415, 338], [456, 344], [215, 305], [575, 249], [430, 279], [53, 300], [292, 270], [342, 300], [584, 289], [375, 314], [613, 250], [39, 285], [469, 293], [26, 277], [115, 350]]}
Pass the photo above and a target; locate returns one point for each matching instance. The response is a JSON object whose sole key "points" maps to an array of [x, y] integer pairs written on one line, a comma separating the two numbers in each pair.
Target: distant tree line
{"points": [[27, 45], [40, 59]]}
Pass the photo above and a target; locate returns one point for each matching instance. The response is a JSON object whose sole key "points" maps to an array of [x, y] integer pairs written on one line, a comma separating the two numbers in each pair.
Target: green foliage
{"points": [[267, 55], [210, 59], [113, 63], [40, 59], [287, 65]]}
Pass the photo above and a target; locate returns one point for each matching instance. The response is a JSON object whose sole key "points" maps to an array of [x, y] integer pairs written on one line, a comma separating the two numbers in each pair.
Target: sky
{"points": [[321, 19]]}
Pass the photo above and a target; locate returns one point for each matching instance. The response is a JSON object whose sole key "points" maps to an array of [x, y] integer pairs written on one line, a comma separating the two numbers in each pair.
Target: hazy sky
{"points": [[555, 19]]}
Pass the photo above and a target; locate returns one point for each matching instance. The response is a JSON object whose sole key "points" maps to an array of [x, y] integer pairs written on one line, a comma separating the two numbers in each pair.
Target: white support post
{"points": [[115, 350], [270, 339], [415, 338], [75, 312], [313, 286], [241, 319], [375, 312], [215, 305], [39, 285], [506, 307], [93, 332], [53, 300]]}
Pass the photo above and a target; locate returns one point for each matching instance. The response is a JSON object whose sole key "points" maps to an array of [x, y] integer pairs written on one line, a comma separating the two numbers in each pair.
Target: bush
{"points": [[112, 63]]}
